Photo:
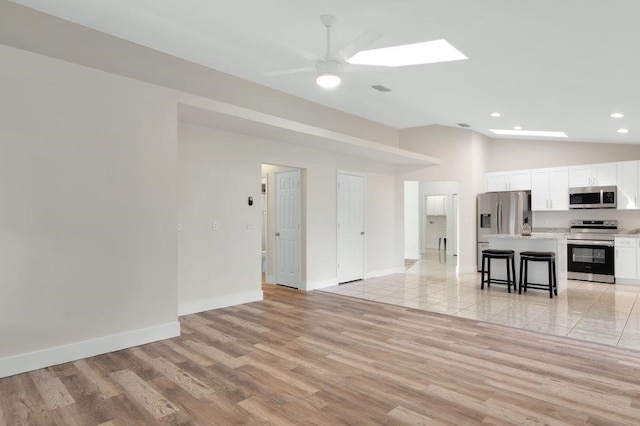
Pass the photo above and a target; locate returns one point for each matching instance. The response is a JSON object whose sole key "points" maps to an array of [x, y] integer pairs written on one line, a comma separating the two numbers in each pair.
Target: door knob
{"points": [[362, 233], [277, 234]]}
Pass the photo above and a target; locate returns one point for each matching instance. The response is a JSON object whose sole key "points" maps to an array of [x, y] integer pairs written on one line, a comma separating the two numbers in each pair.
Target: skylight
{"points": [[427, 52], [540, 133]]}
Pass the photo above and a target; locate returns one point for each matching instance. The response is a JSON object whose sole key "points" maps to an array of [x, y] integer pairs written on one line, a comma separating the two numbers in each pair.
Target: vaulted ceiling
{"points": [[544, 65]]}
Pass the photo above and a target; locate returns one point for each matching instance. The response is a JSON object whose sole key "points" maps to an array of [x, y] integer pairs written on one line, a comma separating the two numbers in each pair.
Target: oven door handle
{"points": [[590, 243]]}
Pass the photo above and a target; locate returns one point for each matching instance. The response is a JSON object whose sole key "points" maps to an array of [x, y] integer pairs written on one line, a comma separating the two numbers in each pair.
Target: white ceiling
{"points": [[544, 65]]}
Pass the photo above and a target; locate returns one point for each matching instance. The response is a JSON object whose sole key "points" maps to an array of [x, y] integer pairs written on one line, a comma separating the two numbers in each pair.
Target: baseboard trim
{"points": [[627, 281], [317, 285], [87, 348], [385, 272], [219, 302], [270, 279]]}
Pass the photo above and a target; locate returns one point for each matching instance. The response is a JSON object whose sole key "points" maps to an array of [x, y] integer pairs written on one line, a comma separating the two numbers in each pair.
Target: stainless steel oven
{"points": [[590, 250]]}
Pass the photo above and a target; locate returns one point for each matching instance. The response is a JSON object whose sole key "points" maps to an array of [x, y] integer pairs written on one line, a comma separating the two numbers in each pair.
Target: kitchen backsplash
{"points": [[627, 219]]}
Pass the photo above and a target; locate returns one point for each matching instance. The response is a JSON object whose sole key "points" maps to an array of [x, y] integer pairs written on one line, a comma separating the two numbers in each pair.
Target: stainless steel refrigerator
{"points": [[501, 213]]}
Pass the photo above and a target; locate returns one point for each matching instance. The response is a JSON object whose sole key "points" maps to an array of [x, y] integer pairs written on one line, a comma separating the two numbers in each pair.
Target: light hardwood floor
{"points": [[326, 359]]}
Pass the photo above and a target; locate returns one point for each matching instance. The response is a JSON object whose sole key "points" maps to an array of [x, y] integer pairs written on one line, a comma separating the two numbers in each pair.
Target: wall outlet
{"points": [[214, 226], [249, 225], [179, 227]]}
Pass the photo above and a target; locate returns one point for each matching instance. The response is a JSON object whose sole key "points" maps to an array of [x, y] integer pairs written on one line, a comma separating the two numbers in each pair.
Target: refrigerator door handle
{"points": [[499, 216]]}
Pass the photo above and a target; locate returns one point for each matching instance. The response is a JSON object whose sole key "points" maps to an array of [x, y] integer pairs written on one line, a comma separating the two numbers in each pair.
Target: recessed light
{"points": [[538, 133], [623, 130], [616, 115], [517, 127], [427, 52], [495, 114]]}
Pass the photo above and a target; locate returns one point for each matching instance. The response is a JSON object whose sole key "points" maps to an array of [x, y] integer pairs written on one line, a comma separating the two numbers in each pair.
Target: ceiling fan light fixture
{"points": [[328, 80], [328, 74]]}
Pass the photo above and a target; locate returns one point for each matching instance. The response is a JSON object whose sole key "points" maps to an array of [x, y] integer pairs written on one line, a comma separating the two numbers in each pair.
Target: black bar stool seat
{"points": [[538, 256], [507, 255]]}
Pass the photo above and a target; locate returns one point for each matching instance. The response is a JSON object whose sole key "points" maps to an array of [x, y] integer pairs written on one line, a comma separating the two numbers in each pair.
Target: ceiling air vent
{"points": [[381, 88], [463, 125]]}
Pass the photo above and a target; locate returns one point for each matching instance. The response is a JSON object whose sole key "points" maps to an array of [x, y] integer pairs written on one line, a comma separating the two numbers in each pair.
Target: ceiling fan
{"points": [[328, 68]]}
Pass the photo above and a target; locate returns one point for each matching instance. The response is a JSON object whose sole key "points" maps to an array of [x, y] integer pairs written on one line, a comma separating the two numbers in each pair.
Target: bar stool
{"points": [[507, 255], [538, 256]]}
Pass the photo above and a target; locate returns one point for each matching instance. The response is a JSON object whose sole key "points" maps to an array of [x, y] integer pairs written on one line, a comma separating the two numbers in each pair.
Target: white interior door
{"points": [[351, 189], [287, 220]]}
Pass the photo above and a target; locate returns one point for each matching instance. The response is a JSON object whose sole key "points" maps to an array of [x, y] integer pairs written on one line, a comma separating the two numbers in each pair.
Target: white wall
{"points": [[505, 154], [216, 177], [412, 220], [237, 271], [381, 256], [93, 184], [88, 217]]}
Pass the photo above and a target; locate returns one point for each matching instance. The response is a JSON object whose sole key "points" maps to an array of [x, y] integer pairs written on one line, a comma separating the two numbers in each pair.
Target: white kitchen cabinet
{"points": [[436, 205], [517, 180], [626, 258], [593, 175], [550, 189], [628, 186]]}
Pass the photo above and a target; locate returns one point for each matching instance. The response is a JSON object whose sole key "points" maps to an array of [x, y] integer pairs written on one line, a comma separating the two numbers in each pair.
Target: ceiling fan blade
{"points": [[287, 72], [360, 43], [302, 52], [364, 68]]}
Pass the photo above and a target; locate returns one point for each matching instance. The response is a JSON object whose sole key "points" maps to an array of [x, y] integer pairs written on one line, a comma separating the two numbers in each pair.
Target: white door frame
{"points": [[364, 217], [454, 246], [298, 283]]}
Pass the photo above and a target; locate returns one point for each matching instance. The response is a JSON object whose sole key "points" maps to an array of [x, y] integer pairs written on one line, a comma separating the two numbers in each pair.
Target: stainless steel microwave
{"points": [[593, 197]]}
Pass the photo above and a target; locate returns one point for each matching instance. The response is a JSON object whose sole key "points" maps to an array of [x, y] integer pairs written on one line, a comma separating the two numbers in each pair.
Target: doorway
{"points": [[435, 230], [435, 203], [264, 218], [350, 226], [287, 227], [284, 225]]}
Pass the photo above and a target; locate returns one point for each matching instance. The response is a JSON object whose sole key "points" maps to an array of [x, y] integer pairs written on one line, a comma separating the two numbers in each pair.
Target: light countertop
{"points": [[533, 236]]}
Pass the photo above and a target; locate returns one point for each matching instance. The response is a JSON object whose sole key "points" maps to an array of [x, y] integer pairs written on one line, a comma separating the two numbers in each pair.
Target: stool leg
{"points": [[482, 276], [508, 276], [520, 280], [488, 272], [555, 278], [550, 267], [513, 273], [526, 274]]}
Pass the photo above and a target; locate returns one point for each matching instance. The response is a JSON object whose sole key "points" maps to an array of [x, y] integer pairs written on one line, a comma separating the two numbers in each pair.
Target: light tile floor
{"points": [[596, 312]]}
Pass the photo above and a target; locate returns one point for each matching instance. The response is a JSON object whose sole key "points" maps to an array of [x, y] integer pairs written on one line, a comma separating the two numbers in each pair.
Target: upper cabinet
{"points": [[628, 185], [550, 189], [436, 205], [519, 180], [593, 175]]}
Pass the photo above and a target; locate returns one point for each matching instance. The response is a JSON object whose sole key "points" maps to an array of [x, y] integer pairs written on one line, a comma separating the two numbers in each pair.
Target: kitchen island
{"points": [[538, 273]]}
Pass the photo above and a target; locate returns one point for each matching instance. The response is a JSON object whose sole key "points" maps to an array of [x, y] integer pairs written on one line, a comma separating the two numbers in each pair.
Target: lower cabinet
{"points": [[626, 260]]}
